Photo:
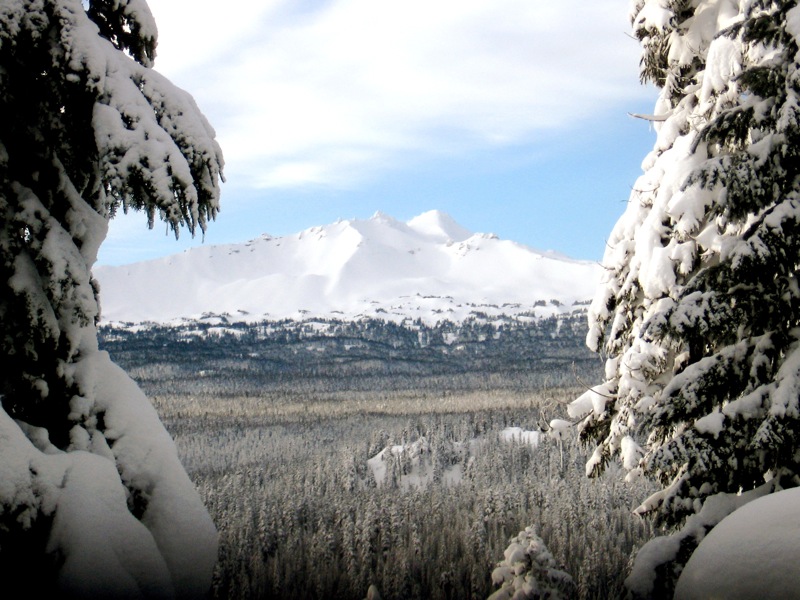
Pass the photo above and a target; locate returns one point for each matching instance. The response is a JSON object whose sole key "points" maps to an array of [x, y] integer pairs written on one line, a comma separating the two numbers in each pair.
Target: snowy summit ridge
{"points": [[429, 267]]}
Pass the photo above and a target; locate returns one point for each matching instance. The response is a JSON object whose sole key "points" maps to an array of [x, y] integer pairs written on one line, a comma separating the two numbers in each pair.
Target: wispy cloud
{"points": [[332, 92]]}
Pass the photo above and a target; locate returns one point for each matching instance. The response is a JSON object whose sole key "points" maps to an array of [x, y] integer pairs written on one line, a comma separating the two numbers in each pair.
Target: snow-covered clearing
{"points": [[416, 464]]}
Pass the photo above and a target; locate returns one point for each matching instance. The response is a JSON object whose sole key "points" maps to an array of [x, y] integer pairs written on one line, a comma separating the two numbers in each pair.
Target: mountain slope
{"points": [[429, 267]]}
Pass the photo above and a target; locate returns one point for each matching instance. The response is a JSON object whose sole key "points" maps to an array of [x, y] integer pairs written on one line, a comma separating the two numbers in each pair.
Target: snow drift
{"points": [[752, 553]]}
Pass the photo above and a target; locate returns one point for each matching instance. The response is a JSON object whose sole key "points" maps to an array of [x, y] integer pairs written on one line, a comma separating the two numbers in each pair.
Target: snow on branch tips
{"points": [[699, 312], [93, 500]]}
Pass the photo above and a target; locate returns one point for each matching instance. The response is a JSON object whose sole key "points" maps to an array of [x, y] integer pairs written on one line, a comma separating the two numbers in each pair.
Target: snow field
{"points": [[429, 268]]}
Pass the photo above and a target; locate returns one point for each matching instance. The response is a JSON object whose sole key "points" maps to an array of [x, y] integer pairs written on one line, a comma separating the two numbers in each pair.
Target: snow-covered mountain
{"points": [[429, 267]]}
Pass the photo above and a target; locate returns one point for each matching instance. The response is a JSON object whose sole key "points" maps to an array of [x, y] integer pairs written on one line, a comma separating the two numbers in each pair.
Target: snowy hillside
{"points": [[429, 267]]}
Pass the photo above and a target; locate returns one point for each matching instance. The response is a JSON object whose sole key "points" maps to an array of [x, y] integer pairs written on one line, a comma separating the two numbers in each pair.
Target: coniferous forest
{"points": [[400, 460], [338, 455]]}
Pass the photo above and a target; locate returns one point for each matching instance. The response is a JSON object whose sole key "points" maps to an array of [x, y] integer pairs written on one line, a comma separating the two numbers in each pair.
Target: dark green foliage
{"points": [[64, 170], [119, 24], [700, 316], [87, 127]]}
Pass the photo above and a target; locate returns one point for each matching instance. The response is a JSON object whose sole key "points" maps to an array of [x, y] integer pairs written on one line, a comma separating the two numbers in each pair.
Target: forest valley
{"points": [[340, 459], [336, 455]]}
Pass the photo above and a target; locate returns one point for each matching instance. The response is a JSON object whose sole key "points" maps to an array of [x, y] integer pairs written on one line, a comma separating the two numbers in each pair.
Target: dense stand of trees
{"points": [[281, 459], [300, 515], [239, 357]]}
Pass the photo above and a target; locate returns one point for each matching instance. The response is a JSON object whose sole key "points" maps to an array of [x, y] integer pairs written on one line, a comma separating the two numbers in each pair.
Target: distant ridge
{"points": [[428, 268]]}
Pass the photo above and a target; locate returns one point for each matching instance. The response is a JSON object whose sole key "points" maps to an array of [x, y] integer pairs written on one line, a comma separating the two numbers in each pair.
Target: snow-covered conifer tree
{"points": [[699, 314], [92, 496], [528, 571]]}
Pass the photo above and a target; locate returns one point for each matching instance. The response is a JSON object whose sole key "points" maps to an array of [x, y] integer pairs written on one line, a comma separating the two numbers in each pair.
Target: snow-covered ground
{"points": [[169, 551], [429, 268], [412, 463], [751, 554], [522, 436]]}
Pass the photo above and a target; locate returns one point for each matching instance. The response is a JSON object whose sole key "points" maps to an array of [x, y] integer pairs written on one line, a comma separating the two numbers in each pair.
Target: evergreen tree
{"points": [[529, 571], [89, 128], [699, 312]]}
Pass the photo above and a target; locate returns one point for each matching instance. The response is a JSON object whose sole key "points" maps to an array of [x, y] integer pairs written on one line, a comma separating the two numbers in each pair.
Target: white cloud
{"points": [[331, 92]]}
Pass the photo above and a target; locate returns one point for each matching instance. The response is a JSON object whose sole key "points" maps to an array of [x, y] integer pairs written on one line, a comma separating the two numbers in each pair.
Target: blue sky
{"points": [[510, 115]]}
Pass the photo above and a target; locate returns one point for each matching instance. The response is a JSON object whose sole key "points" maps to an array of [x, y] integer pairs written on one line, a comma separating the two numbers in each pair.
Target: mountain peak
{"points": [[440, 226], [382, 217], [429, 267]]}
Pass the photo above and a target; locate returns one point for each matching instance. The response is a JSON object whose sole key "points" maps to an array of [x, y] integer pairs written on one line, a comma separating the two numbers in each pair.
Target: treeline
{"points": [[241, 358]]}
